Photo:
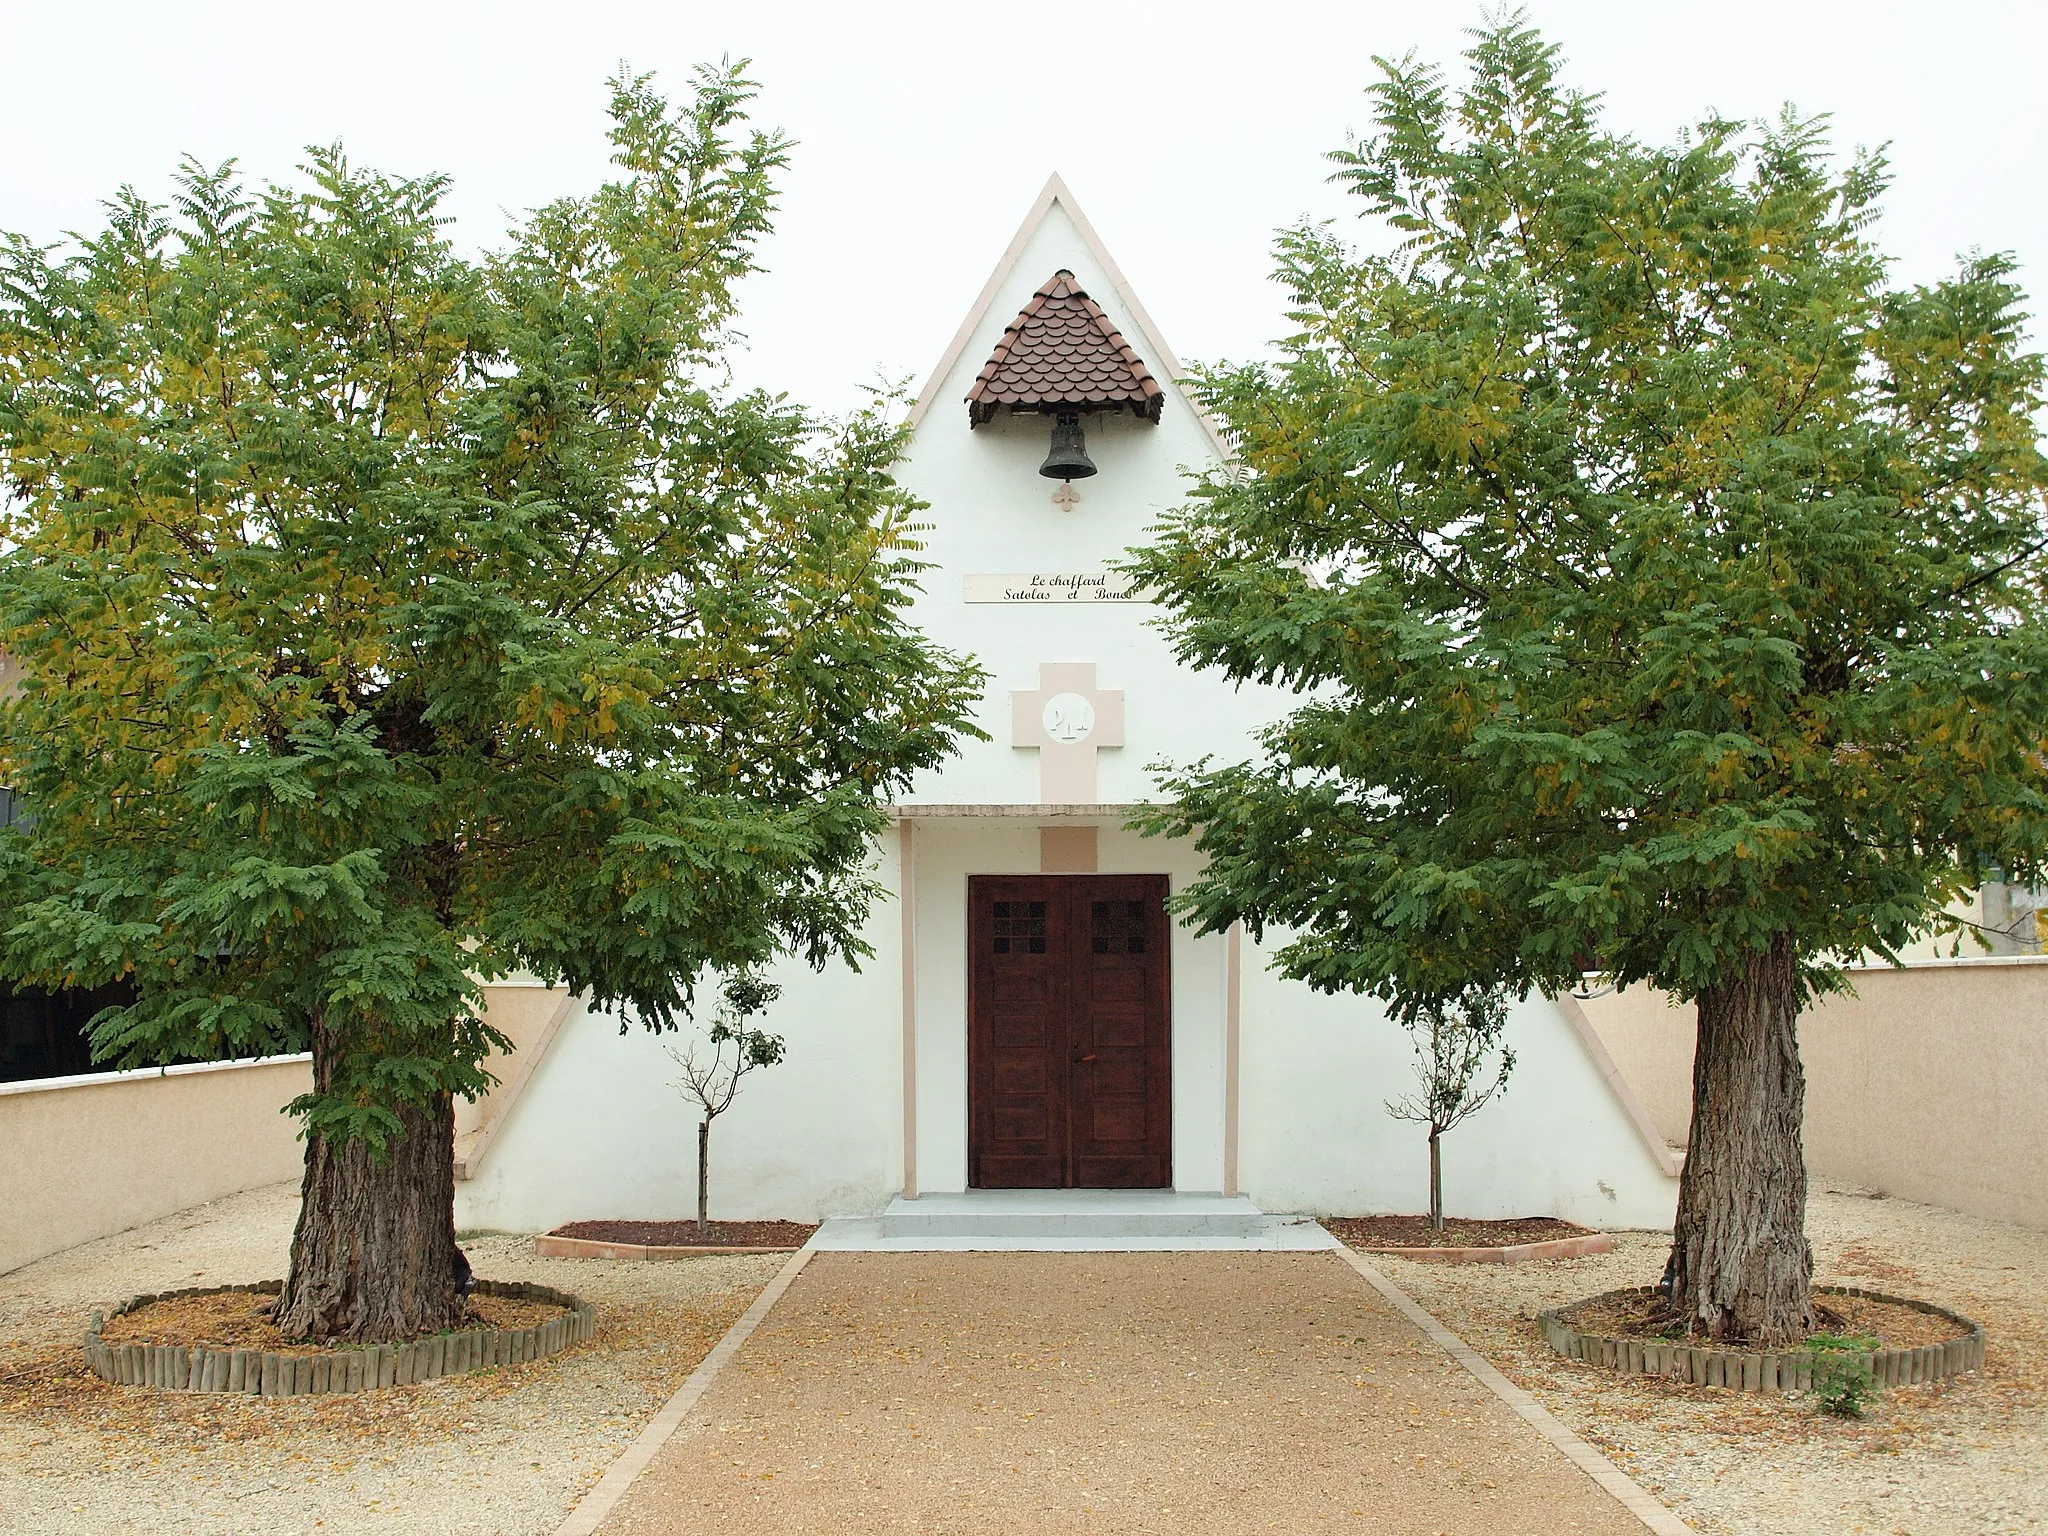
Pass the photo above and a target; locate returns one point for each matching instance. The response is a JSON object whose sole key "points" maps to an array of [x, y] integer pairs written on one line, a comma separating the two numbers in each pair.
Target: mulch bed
{"points": [[685, 1234], [231, 1320], [1650, 1317], [1415, 1231]]}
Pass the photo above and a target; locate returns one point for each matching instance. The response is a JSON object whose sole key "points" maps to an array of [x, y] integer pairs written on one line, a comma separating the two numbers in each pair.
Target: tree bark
{"points": [[703, 1176], [1741, 1266], [373, 1258], [1436, 1181]]}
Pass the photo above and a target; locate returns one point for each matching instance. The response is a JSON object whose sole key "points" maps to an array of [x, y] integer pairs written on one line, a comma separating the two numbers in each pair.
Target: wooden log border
{"points": [[255, 1373], [1787, 1370]]}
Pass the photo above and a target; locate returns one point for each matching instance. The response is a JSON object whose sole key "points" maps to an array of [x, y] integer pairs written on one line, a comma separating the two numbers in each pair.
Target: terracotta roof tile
{"points": [[1062, 352]]}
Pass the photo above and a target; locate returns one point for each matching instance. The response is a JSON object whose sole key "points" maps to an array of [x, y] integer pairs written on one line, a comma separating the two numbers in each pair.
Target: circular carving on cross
{"points": [[1068, 717]]}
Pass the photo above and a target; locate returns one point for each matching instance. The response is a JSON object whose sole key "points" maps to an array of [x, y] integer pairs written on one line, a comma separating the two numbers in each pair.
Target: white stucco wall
{"points": [[599, 1132], [992, 513], [1317, 1072]]}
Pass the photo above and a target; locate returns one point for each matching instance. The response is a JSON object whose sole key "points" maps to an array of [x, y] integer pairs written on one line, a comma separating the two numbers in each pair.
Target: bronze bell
{"points": [[1068, 459]]}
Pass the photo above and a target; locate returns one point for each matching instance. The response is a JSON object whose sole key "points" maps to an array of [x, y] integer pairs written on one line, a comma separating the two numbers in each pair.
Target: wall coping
{"points": [[1668, 1162], [1947, 962], [137, 1074], [470, 1158]]}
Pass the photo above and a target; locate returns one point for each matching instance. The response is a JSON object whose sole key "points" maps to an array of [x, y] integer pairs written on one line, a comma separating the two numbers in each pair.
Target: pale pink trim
{"points": [[1233, 988], [1068, 772], [1069, 850], [1159, 355], [1618, 1085], [906, 896], [472, 1159], [1109, 810]]}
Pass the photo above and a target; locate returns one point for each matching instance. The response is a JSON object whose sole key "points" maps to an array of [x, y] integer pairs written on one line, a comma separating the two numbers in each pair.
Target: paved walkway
{"points": [[1105, 1392]]}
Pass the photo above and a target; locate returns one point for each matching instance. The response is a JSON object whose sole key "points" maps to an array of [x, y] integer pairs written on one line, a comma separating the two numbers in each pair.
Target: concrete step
{"points": [[1072, 1213], [1076, 1220]]}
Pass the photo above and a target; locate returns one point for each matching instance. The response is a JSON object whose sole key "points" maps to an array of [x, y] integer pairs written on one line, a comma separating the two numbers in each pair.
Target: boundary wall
{"points": [[1929, 1082], [86, 1157]]}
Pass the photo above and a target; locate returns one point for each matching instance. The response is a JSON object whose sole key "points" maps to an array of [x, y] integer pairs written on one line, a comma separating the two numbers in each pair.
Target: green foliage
{"points": [[1657, 580], [712, 1081], [392, 621], [1454, 1041], [1842, 1379], [741, 998]]}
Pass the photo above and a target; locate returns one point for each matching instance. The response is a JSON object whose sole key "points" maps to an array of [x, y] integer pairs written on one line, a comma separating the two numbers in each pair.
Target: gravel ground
{"points": [[505, 1453], [1963, 1458], [1028, 1393], [497, 1453]]}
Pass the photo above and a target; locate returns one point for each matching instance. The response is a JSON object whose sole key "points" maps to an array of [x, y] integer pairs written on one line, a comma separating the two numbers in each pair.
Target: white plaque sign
{"points": [[1054, 587]]}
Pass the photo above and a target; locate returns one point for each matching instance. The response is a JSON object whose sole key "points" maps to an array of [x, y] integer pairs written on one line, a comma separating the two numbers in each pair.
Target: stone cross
{"points": [[1066, 498], [1067, 717]]}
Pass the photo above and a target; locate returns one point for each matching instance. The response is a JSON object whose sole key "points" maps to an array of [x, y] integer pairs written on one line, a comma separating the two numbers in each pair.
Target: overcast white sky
{"points": [[1187, 131]]}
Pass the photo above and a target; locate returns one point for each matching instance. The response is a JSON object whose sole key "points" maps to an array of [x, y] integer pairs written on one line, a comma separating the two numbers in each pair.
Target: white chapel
{"points": [[1032, 1018]]}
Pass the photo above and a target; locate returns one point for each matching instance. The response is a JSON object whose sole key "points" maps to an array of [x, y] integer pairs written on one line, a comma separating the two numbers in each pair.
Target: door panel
{"points": [[1017, 1098], [1120, 1134], [1069, 1074]]}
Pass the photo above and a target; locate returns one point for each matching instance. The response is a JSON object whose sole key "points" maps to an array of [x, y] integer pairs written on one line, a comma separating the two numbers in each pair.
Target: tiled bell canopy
{"points": [[1062, 354]]}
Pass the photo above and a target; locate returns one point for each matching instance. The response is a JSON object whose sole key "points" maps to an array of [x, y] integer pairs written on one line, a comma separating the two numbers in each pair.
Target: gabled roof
{"points": [[1061, 352], [1144, 332]]}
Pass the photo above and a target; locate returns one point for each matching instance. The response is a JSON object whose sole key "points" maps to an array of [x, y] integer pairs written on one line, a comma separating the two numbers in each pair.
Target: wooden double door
{"points": [[1069, 1077]]}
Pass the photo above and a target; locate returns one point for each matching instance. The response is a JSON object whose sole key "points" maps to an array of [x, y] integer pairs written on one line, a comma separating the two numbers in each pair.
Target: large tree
{"points": [[392, 621], [1664, 588]]}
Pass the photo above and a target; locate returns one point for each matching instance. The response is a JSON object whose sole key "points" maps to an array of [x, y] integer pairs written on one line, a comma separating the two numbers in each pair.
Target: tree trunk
{"points": [[703, 1176], [374, 1256], [1436, 1181], [1740, 1263]]}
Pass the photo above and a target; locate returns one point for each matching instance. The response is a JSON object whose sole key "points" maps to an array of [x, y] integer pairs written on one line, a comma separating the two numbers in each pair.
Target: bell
{"points": [[1068, 459]]}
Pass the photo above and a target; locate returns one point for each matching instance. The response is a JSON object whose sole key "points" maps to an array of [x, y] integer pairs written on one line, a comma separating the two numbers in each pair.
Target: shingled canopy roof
{"points": [[1062, 354]]}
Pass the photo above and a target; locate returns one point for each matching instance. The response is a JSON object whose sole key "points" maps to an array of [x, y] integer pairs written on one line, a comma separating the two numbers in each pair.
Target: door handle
{"points": [[1079, 1059]]}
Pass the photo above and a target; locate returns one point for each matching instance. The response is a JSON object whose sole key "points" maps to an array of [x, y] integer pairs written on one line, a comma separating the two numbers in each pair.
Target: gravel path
{"points": [[499, 1453], [1202, 1374], [1965, 1458], [1115, 1393]]}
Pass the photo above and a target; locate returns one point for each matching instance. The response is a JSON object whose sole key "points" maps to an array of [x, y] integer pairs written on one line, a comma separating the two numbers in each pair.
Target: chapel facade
{"points": [[1032, 1018]]}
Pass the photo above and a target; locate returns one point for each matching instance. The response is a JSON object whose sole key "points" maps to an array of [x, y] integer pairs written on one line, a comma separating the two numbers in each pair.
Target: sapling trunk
{"points": [[1436, 1181], [703, 1176], [1454, 1040], [712, 1083], [1741, 1266]]}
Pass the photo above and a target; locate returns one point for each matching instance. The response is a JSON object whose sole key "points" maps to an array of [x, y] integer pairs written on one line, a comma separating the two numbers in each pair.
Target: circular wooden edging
{"points": [[256, 1373], [1788, 1370], [1510, 1253], [548, 1246]]}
